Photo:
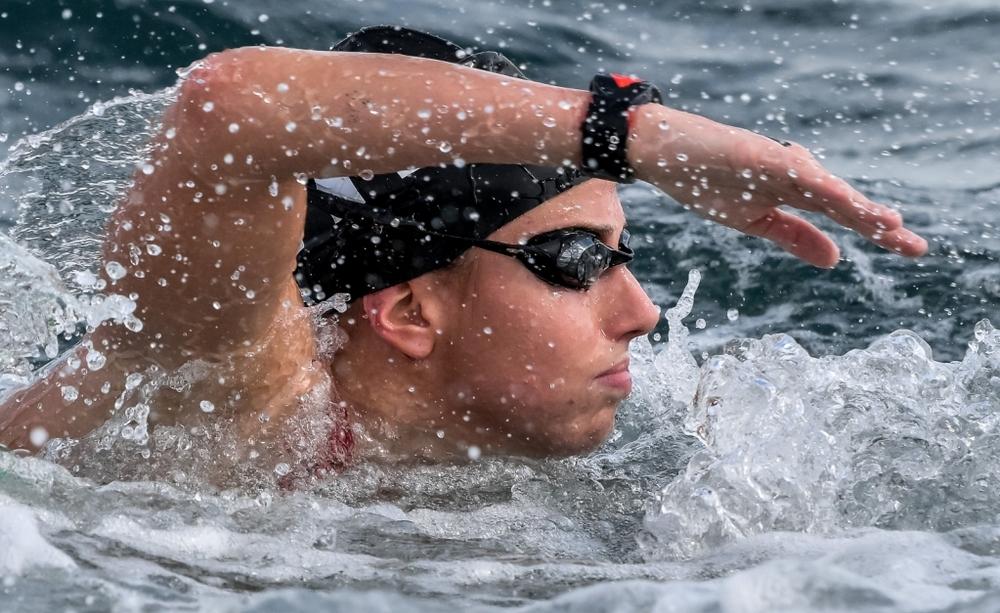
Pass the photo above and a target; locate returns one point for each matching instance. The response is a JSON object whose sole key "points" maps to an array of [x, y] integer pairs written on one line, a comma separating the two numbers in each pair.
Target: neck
{"points": [[397, 402]]}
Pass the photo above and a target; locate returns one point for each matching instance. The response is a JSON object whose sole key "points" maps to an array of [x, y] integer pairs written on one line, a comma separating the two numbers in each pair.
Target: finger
{"points": [[796, 236], [833, 193], [901, 241], [836, 195]]}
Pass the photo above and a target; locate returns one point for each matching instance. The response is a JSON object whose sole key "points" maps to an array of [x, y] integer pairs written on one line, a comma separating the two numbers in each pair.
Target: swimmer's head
{"points": [[496, 357], [491, 298]]}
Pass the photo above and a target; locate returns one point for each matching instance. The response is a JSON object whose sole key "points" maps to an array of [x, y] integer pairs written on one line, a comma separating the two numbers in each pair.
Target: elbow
{"points": [[215, 77], [213, 91]]}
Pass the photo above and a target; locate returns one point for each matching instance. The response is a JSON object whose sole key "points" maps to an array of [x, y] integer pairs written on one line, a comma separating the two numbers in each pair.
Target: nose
{"points": [[629, 312]]}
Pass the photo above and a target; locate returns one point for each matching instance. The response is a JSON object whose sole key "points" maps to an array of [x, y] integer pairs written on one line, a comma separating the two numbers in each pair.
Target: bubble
{"points": [[367, 174], [487, 330], [281, 469], [699, 323], [287, 202], [206, 406], [291, 126], [153, 249], [282, 87], [474, 452], [263, 17], [682, 157], [746, 196], [424, 114], [69, 393], [733, 314], [228, 158], [39, 436], [67, 14], [793, 173], [234, 128], [550, 122], [458, 162], [216, 305], [664, 125], [208, 106]]}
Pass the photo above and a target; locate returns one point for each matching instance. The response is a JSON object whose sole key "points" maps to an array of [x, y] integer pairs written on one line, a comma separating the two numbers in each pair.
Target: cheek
{"points": [[542, 344]]}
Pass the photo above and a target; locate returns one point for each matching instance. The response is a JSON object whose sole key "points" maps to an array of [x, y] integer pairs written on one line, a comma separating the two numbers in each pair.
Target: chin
{"points": [[582, 437]]}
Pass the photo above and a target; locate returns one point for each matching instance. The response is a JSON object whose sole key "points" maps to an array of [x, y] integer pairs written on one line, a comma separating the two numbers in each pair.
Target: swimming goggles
{"points": [[573, 258]]}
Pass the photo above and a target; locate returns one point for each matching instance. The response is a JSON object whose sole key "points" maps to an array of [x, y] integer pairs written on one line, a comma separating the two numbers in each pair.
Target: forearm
{"points": [[283, 111]]}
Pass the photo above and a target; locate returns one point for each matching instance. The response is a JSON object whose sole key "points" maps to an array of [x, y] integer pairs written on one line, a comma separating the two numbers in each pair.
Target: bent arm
{"points": [[248, 121]]}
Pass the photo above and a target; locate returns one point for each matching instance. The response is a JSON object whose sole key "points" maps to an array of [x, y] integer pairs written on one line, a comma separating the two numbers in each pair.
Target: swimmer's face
{"points": [[536, 368]]}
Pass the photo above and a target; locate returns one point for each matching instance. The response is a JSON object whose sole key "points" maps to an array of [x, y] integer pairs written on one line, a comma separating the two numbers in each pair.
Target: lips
{"points": [[617, 377]]}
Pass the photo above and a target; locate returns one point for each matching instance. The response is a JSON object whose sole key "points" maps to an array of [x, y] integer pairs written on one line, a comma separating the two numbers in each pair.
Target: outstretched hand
{"points": [[741, 179]]}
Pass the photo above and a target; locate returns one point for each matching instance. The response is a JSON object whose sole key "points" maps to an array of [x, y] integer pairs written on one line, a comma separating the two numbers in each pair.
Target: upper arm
{"points": [[208, 253]]}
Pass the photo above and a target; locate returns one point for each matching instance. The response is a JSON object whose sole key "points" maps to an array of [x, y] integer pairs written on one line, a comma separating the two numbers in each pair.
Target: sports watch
{"points": [[606, 126]]}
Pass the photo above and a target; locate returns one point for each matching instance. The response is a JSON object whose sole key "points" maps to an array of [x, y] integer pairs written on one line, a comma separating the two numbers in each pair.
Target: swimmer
{"points": [[464, 218]]}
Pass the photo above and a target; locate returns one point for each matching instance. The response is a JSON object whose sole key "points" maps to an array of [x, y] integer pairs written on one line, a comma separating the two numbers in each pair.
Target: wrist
{"points": [[652, 127]]}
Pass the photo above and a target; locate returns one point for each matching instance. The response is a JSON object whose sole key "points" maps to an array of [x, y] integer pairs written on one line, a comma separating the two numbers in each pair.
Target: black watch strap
{"points": [[606, 126]]}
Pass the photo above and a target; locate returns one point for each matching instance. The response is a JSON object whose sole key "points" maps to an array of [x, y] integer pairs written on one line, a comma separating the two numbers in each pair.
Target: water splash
{"points": [[883, 437]]}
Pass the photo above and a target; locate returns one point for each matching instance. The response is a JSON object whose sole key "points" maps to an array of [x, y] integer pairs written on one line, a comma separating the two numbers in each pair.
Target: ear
{"points": [[405, 317]]}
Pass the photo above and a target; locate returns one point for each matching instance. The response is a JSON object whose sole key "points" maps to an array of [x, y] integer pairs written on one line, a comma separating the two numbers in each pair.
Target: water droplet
{"points": [[474, 453], [282, 469], [487, 330], [287, 202], [458, 162], [682, 157], [208, 106], [69, 393], [424, 113], [291, 126], [733, 314], [234, 128], [216, 305], [367, 174], [664, 125], [115, 270], [747, 196], [699, 323], [39, 436], [793, 173], [263, 17], [96, 360], [228, 158], [206, 406], [549, 122], [444, 147], [282, 87], [66, 14]]}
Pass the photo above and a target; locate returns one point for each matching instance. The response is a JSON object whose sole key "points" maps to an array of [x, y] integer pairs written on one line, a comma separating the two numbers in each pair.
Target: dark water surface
{"points": [[823, 481]]}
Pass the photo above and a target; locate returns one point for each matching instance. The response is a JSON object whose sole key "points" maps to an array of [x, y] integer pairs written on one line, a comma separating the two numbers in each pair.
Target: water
{"points": [[826, 440]]}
